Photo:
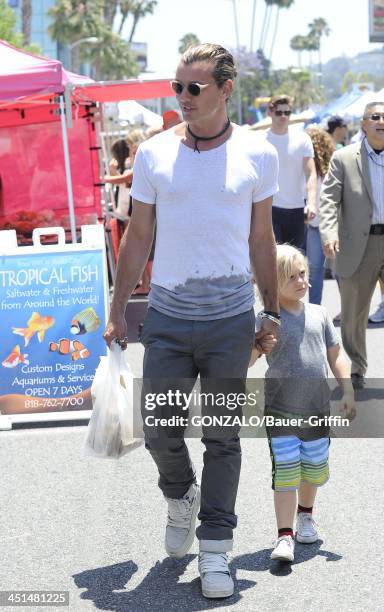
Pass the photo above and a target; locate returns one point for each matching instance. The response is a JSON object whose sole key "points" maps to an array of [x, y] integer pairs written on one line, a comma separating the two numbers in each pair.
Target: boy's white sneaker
{"points": [[180, 530], [284, 549], [216, 579], [306, 532]]}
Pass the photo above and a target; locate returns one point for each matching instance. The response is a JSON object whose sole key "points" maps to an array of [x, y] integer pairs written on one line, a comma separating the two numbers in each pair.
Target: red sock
{"points": [[284, 531], [304, 509]]}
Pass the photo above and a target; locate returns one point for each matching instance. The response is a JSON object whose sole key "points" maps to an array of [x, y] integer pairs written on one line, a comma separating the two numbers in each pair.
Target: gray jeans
{"points": [[176, 352]]}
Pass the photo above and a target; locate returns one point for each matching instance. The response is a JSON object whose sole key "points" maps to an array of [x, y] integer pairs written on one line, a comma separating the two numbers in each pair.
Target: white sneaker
{"points": [[284, 549], [378, 315], [306, 532], [216, 579], [180, 529]]}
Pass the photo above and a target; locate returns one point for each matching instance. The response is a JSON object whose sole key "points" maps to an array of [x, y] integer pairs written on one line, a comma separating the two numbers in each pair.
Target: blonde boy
{"points": [[297, 389]]}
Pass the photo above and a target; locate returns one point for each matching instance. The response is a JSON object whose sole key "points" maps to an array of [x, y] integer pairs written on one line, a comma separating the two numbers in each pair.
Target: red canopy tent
{"points": [[36, 173], [32, 178], [23, 75]]}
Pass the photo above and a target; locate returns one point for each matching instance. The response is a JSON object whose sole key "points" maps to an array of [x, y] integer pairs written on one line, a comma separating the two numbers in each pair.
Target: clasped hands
{"points": [[265, 342]]}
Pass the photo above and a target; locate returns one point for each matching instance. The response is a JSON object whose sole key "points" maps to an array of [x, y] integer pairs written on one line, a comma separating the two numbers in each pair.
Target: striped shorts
{"points": [[295, 460]]}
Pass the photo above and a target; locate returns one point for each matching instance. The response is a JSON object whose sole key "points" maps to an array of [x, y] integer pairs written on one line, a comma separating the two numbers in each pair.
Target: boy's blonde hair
{"points": [[287, 256]]}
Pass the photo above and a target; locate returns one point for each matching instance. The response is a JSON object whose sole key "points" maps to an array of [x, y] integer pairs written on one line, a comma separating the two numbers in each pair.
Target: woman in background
{"points": [[323, 148], [120, 166]]}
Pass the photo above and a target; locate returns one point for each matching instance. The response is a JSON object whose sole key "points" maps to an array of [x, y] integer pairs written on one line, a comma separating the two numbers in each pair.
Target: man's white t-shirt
{"points": [[291, 149], [203, 201]]}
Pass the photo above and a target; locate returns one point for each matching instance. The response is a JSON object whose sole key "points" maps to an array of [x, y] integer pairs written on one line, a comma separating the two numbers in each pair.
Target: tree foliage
{"points": [[8, 31], [257, 79], [299, 84], [188, 40], [111, 57], [312, 40], [269, 5], [8, 25]]}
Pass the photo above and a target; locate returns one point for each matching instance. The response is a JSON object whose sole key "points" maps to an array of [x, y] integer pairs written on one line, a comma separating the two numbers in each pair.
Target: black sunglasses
{"points": [[375, 116], [279, 113], [193, 88]]}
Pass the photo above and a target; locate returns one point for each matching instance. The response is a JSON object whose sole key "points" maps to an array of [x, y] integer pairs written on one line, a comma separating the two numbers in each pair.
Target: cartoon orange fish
{"points": [[74, 347], [14, 358], [36, 324]]}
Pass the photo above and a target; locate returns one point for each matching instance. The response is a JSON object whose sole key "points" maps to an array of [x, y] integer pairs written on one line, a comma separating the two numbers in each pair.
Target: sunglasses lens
{"points": [[278, 113], [375, 117], [194, 89], [177, 87], [287, 113]]}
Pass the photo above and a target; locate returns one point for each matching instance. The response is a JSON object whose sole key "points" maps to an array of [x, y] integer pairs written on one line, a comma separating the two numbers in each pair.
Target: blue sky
{"points": [[212, 21]]}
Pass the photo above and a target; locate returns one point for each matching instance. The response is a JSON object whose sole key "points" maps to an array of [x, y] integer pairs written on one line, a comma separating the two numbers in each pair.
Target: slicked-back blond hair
{"points": [[287, 256], [223, 63]]}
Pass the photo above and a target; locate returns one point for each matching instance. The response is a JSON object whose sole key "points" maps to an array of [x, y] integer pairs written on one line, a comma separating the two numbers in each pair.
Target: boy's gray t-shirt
{"points": [[296, 380]]}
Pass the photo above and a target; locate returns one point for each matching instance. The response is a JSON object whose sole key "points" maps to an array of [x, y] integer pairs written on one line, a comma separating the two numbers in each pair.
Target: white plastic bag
{"points": [[110, 429]]}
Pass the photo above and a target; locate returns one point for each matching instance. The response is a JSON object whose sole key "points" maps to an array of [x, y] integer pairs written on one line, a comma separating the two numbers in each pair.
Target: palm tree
{"points": [[252, 25], [26, 17], [279, 4], [188, 40], [110, 10], [298, 43], [138, 9], [265, 24], [311, 43], [269, 5], [318, 28]]}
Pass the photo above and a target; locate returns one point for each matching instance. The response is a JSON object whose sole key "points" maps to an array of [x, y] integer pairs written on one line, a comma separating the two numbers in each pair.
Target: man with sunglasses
{"points": [[296, 169], [209, 185], [351, 219]]}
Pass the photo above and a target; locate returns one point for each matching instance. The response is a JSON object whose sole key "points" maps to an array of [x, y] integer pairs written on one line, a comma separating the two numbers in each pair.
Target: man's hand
{"points": [[347, 406], [266, 344], [270, 330], [330, 248], [116, 330]]}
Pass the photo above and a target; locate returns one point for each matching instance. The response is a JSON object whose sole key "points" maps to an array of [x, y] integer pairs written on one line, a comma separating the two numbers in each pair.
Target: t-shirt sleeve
{"points": [[142, 184], [307, 147], [267, 184], [331, 335]]}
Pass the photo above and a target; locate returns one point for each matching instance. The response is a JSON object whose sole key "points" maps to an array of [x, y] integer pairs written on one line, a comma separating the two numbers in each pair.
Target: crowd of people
{"points": [[337, 189], [220, 198]]}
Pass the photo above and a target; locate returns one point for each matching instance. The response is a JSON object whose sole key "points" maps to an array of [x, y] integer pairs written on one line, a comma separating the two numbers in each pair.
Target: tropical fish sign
{"points": [[53, 308]]}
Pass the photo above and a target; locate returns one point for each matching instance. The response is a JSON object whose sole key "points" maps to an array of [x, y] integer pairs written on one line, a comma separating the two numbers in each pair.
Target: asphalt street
{"points": [[95, 527]]}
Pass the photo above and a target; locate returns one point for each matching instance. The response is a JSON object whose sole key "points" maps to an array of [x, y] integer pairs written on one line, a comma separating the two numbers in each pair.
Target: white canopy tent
{"points": [[134, 113], [295, 118], [356, 109]]}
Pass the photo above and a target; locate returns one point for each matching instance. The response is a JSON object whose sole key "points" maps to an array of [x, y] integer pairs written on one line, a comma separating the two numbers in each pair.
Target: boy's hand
{"points": [[265, 344], [347, 406]]}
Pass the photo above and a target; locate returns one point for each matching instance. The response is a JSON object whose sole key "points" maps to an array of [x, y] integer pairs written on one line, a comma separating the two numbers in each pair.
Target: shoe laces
{"points": [[286, 538], [306, 519], [180, 512], [210, 562]]}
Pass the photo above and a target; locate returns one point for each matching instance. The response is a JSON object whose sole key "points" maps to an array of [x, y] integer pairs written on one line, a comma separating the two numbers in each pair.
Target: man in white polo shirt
{"points": [[209, 185], [297, 173]]}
